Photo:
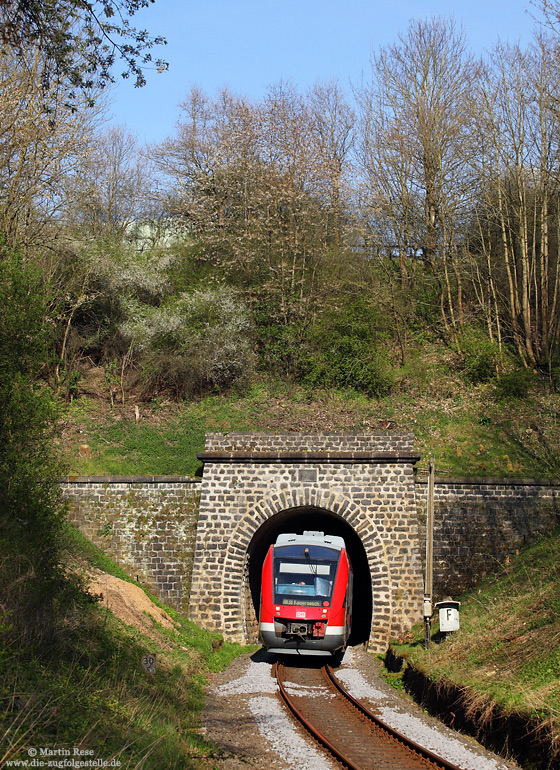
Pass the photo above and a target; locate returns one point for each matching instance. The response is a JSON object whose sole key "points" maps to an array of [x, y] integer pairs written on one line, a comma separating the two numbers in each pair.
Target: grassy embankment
{"points": [[497, 659], [469, 430], [83, 686], [505, 659]]}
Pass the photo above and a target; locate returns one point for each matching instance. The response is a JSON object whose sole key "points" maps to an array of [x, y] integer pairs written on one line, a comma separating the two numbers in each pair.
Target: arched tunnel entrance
{"points": [[296, 520], [356, 486]]}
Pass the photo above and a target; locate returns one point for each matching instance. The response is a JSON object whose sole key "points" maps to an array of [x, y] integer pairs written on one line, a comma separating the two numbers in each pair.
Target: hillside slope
{"points": [[500, 673], [119, 680], [469, 430]]}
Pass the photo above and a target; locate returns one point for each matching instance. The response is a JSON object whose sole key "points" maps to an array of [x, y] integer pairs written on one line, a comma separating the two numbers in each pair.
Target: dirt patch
{"points": [[130, 604]]}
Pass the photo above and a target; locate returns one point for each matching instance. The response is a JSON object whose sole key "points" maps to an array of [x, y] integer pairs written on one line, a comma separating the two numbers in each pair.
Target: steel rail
{"points": [[277, 669], [329, 673]]}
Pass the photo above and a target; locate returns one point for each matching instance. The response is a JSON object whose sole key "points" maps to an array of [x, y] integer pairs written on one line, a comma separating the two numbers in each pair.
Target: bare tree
{"points": [[248, 181], [112, 188], [414, 147], [519, 196], [332, 125], [41, 142], [550, 14]]}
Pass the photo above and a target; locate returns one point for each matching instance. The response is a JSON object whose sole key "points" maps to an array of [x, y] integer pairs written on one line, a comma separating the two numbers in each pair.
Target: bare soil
{"points": [[130, 604]]}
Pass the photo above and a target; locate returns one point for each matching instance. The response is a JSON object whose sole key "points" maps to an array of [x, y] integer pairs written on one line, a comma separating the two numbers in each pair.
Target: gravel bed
{"points": [[245, 719]]}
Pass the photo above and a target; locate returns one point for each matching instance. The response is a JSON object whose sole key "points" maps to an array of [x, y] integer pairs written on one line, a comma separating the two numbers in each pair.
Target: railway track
{"points": [[353, 734]]}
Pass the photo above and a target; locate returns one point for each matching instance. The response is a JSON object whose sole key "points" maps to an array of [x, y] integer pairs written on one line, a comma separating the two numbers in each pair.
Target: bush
{"points": [[480, 355], [348, 349], [555, 376], [350, 364], [192, 343], [281, 348], [31, 512], [515, 384]]}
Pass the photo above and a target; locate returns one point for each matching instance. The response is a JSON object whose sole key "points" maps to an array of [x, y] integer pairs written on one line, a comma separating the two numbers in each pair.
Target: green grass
{"points": [[508, 647], [78, 547], [84, 685], [120, 446], [468, 430]]}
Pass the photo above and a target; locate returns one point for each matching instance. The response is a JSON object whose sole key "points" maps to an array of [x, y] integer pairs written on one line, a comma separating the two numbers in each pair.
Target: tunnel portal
{"points": [[359, 486], [296, 521]]}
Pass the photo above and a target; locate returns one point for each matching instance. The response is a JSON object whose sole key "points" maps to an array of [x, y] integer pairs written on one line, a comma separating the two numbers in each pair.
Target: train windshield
{"points": [[304, 574]]}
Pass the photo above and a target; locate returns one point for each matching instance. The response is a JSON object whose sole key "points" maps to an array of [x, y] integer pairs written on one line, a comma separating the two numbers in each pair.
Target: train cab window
{"points": [[304, 574]]}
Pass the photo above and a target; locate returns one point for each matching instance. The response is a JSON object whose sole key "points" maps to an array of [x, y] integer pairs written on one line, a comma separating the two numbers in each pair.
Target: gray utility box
{"points": [[448, 615]]}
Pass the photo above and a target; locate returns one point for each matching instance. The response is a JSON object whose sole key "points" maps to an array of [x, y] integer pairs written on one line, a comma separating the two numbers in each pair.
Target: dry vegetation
{"points": [[504, 662]]}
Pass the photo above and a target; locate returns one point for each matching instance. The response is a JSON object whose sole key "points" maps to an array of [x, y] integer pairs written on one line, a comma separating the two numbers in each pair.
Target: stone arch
{"points": [[367, 481], [235, 572]]}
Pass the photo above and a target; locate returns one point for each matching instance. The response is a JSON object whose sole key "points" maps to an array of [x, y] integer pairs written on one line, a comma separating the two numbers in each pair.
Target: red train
{"points": [[306, 595]]}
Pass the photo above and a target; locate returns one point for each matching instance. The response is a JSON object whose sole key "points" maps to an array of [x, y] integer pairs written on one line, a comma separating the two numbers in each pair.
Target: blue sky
{"points": [[248, 45]]}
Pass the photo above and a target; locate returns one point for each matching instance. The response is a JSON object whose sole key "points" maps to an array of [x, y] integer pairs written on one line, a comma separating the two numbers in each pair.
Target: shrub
{"points": [[31, 512], [348, 349], [515, 384], [480, 356], [555, 376], [351, 364], [281, 348], [193, 342]]}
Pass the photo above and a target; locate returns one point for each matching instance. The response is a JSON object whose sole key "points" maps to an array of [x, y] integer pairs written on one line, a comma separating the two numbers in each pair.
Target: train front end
{"points": [[306, 594]]}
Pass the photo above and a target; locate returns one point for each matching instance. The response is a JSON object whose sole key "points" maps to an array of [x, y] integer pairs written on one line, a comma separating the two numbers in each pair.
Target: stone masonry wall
{"points": [[365, 479], [481, 523], [147, 524], [309, 442]]}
